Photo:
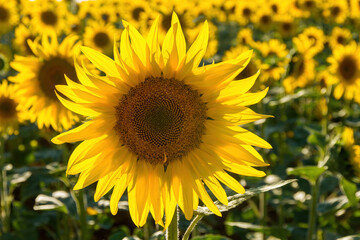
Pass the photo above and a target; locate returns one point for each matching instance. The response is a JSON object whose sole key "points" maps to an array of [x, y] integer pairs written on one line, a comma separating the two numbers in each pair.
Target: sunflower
{"points": [[336, 11], [245, 37], [345, 66], [100, 36], [22, 35], [244, 12], [355, 159], [353, 151], [73, 24], [135, 11], [49, 16], [161, 126], [105, 12], [10, 117], [38, 76], [263, 19], [302, 65], [8, 15], [286, 25], [339, 36], [274, 54], [317, 38]]}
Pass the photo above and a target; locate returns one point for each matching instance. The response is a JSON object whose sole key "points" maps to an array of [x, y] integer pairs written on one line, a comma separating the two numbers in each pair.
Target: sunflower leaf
{"points": [[237, 199]]}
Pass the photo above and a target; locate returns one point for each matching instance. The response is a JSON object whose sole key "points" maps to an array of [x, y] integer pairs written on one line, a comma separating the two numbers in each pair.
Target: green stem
{"points": [[262, 207], [313, 215], [192, 226], [5, 210], [81, 207], [172, 232]]}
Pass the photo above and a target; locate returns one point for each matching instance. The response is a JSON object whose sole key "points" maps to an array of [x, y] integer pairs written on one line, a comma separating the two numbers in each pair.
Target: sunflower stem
{"points": [[312, 215], [172, 232], [192, 226], [5, 210], [81, 207]]}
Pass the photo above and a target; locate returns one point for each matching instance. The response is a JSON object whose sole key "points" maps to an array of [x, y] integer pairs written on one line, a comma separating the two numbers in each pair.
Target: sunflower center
{"points": [[265, 19], [246, 12], [309, 4], [161, 118], [101, 39], [286, 26], [348, 69], [136, 13], [335, 11], [7, 108], [52, 73], [49, 18], [340, 39], [4, 14], [274, 8]]}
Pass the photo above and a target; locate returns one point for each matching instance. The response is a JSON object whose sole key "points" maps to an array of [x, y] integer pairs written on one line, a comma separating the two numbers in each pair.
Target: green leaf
{"points": [[349, 189], [311, 173], [332, 205], [44, 202], [210, 237], [237, 199], [278, 232]]}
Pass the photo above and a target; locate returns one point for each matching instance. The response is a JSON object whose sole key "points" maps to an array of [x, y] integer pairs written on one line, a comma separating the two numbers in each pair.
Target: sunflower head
{"points": [[38, 75], [10, 116], [160, 126]]}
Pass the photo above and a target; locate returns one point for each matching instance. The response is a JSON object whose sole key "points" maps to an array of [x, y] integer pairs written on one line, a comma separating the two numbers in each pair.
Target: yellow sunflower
{"points": [[355, 159], [317, 38], [286, 25], [8, 15], [135, 10], [274, 54], [49, 16], [212, 46], [22, 35], [38, 76], [245, 37], [161, 126], [263, 19], [339, 36], [100, 36], [244, 12], [336, 11], [302, 65], [10, 117], [345, 66]]}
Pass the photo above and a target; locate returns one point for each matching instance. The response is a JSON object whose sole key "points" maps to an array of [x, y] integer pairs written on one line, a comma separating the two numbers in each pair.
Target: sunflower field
{"points": [[203, 120]]}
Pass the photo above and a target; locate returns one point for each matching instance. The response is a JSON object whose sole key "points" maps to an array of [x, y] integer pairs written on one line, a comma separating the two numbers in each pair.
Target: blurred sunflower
{"points": [[317, 38], [286, 25], [161, 126], [302, 65], [100, 36], [38, 76], [8, 15], [345, 66], [339, 36], [22, 35], [245, 37], [73, 24], [336, 11], [49, 16], [135, 11], [105, 13], [351, 166], [274, 60], [10, 117], [263, 19], [355, 159], [244, 12]]}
